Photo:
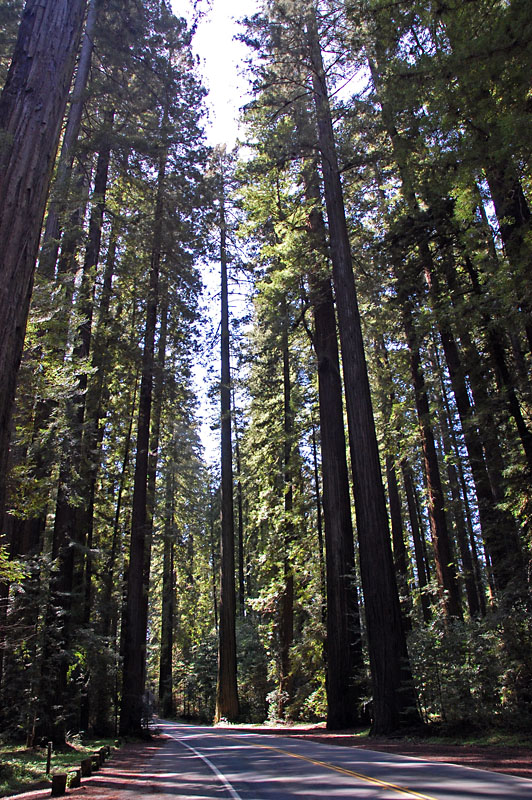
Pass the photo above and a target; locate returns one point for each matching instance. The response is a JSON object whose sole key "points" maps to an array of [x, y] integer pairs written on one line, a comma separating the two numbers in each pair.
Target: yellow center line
{"points": [[391, 787]]}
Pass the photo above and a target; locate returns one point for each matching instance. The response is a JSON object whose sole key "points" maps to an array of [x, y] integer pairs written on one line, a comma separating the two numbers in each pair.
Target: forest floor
{"points": [[128, 769]]}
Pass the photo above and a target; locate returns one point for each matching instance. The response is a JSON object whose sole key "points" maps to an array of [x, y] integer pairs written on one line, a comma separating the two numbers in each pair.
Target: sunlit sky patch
{"points": [[221, 63]]}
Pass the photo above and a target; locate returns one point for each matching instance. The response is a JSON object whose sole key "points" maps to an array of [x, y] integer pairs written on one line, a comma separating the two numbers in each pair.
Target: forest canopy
{"points": [[361, 551]]}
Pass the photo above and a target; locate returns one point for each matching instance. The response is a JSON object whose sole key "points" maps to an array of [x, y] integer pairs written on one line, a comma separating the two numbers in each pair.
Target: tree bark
{"points": [[393, 697], [344, 640], [31, 112], [52, 228]]}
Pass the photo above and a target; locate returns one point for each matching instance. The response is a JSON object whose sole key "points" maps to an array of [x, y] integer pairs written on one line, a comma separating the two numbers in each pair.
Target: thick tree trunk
{"points": [[31, 112], [393, 696], [227, 705], [344, 641], [52, 228]]}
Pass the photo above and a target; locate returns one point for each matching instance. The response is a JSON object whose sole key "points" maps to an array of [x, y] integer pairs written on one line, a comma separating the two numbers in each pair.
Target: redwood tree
{"points": [[32, 107], [226, 689]]}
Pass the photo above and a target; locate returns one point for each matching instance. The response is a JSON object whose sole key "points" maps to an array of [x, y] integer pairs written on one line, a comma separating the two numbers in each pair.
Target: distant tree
{"points": [[226, 691]]}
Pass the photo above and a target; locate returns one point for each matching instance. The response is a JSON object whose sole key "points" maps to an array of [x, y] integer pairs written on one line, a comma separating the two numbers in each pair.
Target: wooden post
{"points": [[75, 778], [48, 758], [59, 784], [86, 767]]}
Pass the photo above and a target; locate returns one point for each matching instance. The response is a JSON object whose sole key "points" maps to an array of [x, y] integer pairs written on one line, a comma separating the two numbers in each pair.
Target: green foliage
{"points": [[474, 672], [10, 571], [253, 683], [23, 769], [10, 12]]}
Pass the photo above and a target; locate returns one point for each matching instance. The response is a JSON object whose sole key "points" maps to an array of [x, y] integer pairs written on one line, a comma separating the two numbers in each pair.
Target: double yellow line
{"points": [[382, 784]]}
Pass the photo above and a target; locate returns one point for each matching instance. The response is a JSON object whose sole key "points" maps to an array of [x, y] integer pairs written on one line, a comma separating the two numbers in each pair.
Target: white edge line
{"points": [[234, 794]]}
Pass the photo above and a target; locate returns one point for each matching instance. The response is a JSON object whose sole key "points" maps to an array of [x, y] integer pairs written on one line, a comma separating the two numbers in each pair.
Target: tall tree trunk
{"points": [[31, 112], [344, 640], [400, 556], [134, 629], [443, 555], [166, 695], [495, 340], [240, 509], [56, 207], [319, 530], [422, 570], [286, 605], [445, 568], [227, 705], [157, 406], [68, 536], [501, 537], [477, 569], [213, 559], [394, 701], [94, 409], [108, 607], [445, 422]]}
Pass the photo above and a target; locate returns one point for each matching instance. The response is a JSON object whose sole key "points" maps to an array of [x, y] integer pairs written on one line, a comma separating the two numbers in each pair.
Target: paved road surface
{"points": [[203, 762]]}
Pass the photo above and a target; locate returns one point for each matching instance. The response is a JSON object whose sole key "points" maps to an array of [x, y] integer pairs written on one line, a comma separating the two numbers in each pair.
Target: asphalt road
{"points": [[206, 762]]}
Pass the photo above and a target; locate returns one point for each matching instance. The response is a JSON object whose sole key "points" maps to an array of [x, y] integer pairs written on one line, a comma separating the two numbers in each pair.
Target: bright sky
{"points": [[221, 61], [221, 64]]}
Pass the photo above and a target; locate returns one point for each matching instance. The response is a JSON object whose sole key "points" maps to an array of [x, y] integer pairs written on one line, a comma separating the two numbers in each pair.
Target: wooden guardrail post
{"points": [[59, 784], [48, 757], [86, 767], [75, 778]]}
